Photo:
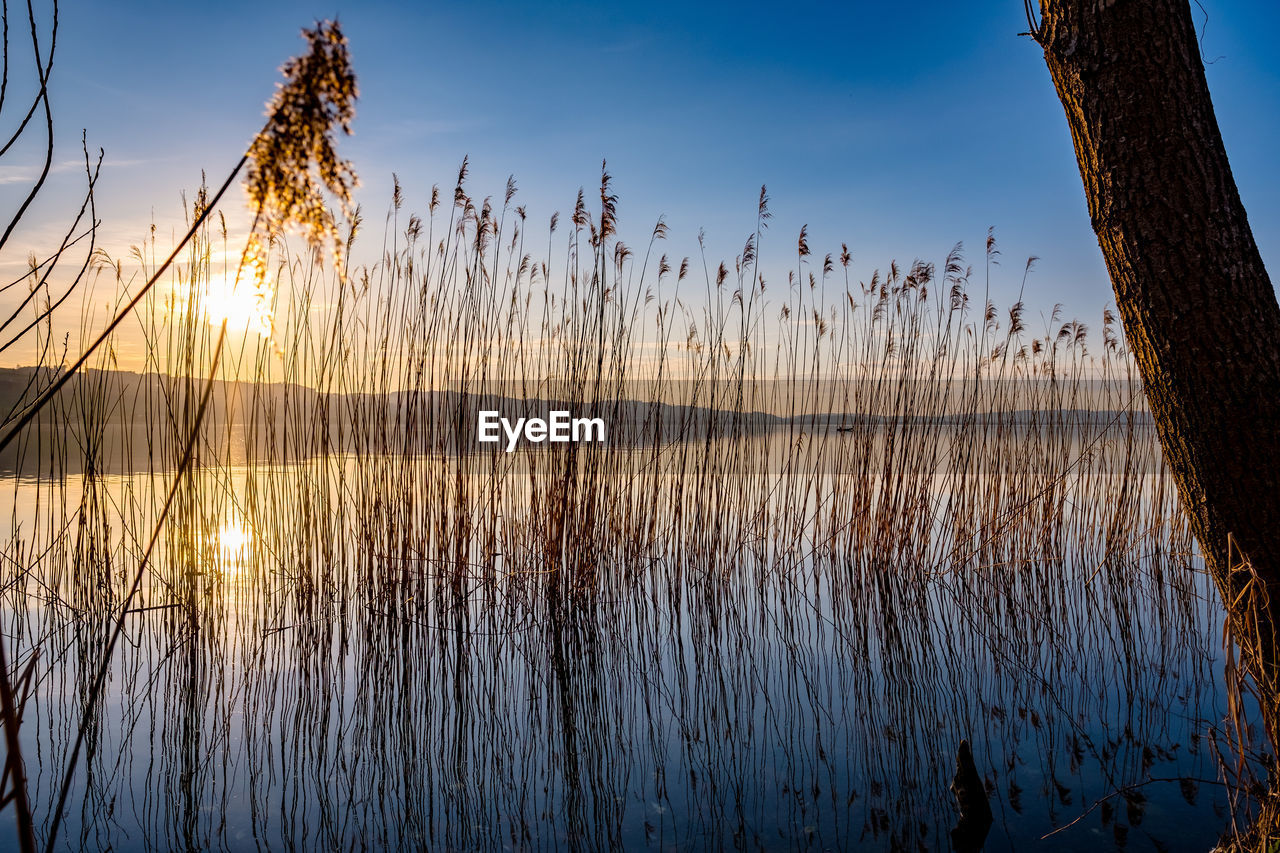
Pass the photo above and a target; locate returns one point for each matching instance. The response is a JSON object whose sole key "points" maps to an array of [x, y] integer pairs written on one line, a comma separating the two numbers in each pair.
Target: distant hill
{"points": [[134, 421]]}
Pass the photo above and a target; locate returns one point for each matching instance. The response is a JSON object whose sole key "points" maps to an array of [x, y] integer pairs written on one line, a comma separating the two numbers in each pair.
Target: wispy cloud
{"points": [[403, 130], [26, 174]]}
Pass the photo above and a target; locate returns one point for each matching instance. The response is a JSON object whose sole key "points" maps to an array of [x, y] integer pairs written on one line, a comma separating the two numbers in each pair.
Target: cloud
{"points": [[409, 129], [28, 174]]}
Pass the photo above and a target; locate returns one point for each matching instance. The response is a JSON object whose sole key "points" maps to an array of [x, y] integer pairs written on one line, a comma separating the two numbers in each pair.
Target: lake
{"points": [[767, 642]]}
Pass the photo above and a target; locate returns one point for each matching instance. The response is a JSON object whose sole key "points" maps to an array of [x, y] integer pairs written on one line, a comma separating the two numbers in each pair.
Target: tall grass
{"points": [[840, 524]]}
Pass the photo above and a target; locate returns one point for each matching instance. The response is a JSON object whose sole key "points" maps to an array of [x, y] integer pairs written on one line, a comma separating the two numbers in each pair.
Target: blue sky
{"points": [[897, 129]]}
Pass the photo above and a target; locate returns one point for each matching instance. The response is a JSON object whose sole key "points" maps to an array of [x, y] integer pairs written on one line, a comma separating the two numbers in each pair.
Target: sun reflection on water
{"points": [[233, 544]]}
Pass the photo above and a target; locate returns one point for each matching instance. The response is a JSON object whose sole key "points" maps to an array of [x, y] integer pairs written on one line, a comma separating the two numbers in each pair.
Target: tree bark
{"points": [[1199, 310]]}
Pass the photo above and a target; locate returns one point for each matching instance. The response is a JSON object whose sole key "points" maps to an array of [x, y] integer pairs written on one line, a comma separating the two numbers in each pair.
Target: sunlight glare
{"points": [[245, 303], [233, 543]]}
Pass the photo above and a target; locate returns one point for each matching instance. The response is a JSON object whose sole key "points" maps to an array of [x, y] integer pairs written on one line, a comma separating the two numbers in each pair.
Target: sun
{"points": [[244, 303]]}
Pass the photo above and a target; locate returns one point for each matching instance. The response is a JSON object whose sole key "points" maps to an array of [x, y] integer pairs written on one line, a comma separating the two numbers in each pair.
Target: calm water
{"points": [[377, 654]]}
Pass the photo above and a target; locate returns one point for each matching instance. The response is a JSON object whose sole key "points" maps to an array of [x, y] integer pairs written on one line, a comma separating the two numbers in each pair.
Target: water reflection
{"points": [[232, 545], [745, 658]]}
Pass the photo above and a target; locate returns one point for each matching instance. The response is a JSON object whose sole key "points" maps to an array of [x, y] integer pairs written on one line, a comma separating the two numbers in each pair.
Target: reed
{"points": [[271, 591], [839, 525]]}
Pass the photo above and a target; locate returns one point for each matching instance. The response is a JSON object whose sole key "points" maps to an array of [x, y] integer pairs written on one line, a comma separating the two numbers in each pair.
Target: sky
{"points": [[899, 129]]}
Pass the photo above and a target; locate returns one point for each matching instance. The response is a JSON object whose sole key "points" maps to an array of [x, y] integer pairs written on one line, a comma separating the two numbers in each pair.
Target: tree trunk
{"points": [[1198, 307]]}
